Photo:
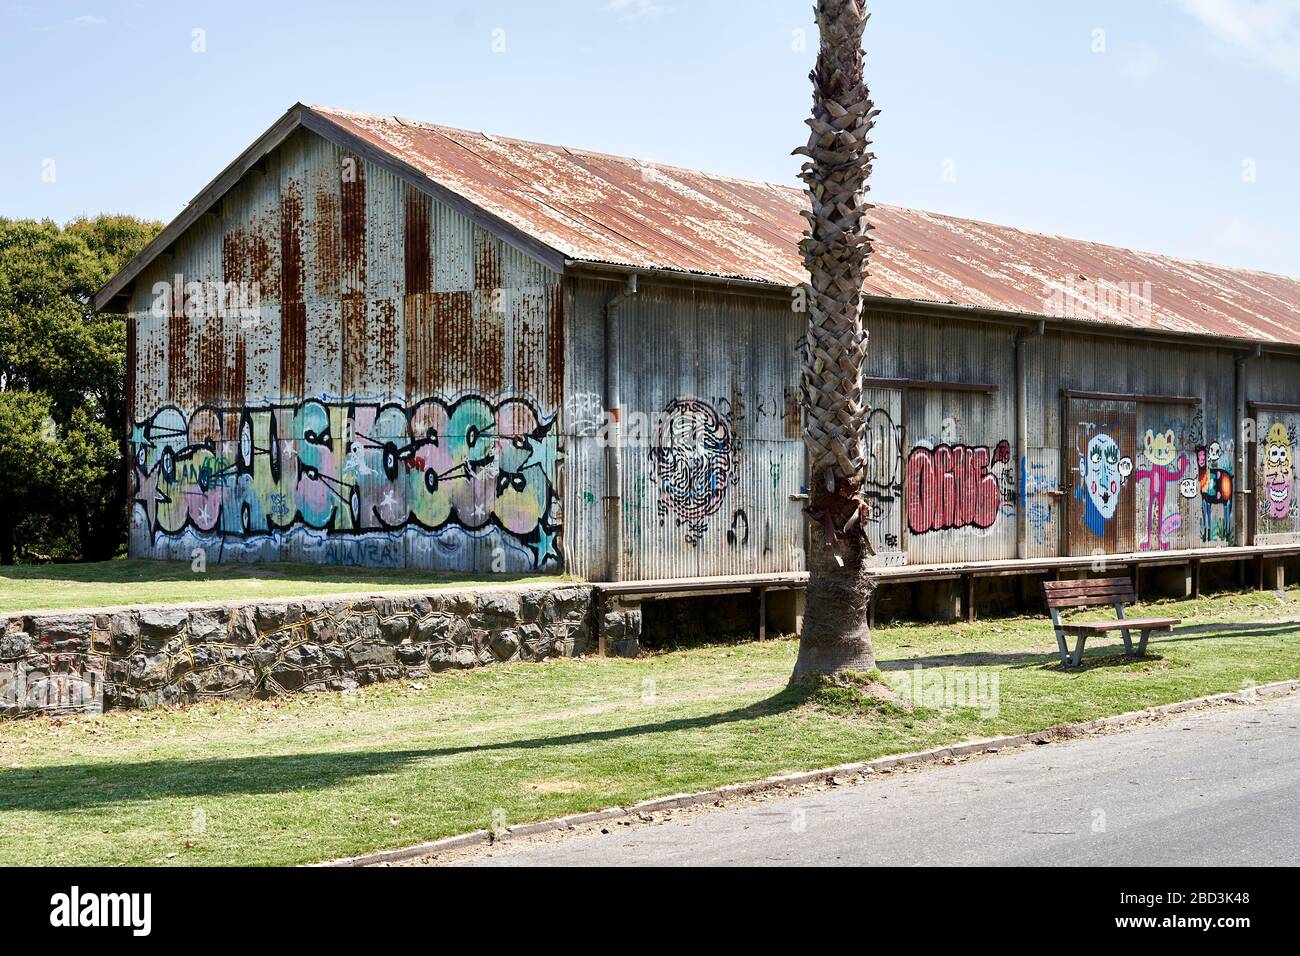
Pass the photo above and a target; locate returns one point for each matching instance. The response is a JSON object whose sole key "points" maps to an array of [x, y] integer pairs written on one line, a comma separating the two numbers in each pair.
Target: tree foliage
{"points": [[63, 412]]}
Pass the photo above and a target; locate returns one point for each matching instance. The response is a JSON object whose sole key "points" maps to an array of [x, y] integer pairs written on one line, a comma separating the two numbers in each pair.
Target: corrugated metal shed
{"points": [[598, 208]]}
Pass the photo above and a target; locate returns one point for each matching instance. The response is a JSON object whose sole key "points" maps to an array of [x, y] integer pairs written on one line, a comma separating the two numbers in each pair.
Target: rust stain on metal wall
{"points": [[417, 254], [485, 348], [178, 343], [353, 317], [529, 341], [210, 358], [352, 279], [293, 310], [385, 343], [132, 368], [327, 244], [453, 319], [417, 304], [487, 267], [555, 343], [235, 269], [418, 326]]}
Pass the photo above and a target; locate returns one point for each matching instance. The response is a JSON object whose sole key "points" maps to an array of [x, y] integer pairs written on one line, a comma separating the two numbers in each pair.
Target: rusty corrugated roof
{"points": [[593, 207]]}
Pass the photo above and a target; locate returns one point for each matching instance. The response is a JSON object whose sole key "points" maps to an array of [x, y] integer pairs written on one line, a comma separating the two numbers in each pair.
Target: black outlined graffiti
{"points": [[738, 533], [693, 461]]}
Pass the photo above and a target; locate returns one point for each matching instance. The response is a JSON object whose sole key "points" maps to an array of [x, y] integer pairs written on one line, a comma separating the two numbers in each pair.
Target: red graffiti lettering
{"points": [[949, 486]]}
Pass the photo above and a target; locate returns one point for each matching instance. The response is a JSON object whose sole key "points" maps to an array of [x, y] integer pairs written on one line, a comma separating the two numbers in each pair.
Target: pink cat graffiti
{"points": [[1159, 467]]}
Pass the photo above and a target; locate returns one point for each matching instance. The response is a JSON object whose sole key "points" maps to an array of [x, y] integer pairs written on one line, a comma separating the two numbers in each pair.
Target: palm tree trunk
{"points": [[836, 247]]}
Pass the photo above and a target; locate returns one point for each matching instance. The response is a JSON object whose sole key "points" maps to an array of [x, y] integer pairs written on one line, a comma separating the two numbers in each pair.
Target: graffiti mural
{"points": [[1277, 467], [1214, 479], [1104, 472], [693, 463], [1159, 464], [350, 469], [958, 486]]}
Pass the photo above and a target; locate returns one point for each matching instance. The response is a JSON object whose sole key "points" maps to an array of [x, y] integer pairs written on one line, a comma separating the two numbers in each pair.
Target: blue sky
{"points": [[1174, 129]]}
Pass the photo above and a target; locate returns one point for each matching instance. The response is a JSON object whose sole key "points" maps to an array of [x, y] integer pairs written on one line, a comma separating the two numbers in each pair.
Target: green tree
{"points": [[63, 444]]}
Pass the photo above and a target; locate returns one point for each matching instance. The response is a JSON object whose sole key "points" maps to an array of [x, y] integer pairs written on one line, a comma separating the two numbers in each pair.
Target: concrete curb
{"points": [[878, 765]]}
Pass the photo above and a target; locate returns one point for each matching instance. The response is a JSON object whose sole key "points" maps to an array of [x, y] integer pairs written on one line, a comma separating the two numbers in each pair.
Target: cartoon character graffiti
{"points": [[1279, 472], [693, 460], [1160, 463], [1216, 489], [1104, 471]]}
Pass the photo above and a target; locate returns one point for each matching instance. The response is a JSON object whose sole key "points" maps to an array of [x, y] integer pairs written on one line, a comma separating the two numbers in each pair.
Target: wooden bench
{"points": [[1117, 592]]}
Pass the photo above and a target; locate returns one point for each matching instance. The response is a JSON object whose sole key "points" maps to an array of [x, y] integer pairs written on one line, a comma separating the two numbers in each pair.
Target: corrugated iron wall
{"points": [[712, 452], [389, 396], [947, 480]]}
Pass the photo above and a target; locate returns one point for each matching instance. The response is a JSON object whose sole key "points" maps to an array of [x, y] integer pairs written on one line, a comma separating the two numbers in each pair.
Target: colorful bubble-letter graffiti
{"points": [[692, 459], [460, 470]]}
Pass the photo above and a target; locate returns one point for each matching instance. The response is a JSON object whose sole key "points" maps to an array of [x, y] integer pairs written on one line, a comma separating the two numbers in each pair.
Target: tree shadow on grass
{"points": [[70, 787]]}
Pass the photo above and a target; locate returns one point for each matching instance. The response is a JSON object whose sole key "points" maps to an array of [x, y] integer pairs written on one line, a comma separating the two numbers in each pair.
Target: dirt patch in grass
{"points": [[555, 786], [853, 694]]}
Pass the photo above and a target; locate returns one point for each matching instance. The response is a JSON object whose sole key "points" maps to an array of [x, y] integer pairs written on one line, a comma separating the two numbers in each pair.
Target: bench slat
{"points": [[1069, 592], [1089, 587], [1131, 624], [1086, 600], [1087, 582]]}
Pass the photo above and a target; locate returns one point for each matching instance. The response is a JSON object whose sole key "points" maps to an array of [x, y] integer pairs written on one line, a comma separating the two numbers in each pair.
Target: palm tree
{"points": [[836, 246]]}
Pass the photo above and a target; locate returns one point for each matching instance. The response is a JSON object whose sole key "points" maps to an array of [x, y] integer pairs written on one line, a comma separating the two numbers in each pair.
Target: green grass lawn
{"points": [[319, 776], [45, 586]]}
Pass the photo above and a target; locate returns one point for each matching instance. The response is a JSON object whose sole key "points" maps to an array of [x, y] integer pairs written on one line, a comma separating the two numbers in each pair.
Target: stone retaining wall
{"points": [[86, 661]]}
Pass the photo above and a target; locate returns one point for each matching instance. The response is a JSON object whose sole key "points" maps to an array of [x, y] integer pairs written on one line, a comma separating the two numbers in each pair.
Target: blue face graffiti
{"points": [[349, 469], [1104, 472]]}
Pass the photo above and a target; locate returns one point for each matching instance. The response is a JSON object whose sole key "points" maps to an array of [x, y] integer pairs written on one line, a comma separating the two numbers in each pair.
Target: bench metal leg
{"points": [[1142, 643], [1078, 649], [1128, 641], [1063, 648]]}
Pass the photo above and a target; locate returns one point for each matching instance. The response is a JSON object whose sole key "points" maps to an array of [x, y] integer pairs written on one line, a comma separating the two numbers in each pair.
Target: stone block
{"points": [[504, 645], [208, 625], [64, 633]]}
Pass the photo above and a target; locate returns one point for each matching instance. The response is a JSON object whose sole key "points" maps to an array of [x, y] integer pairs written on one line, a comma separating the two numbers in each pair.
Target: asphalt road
{"points": [[1220, 787]]}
